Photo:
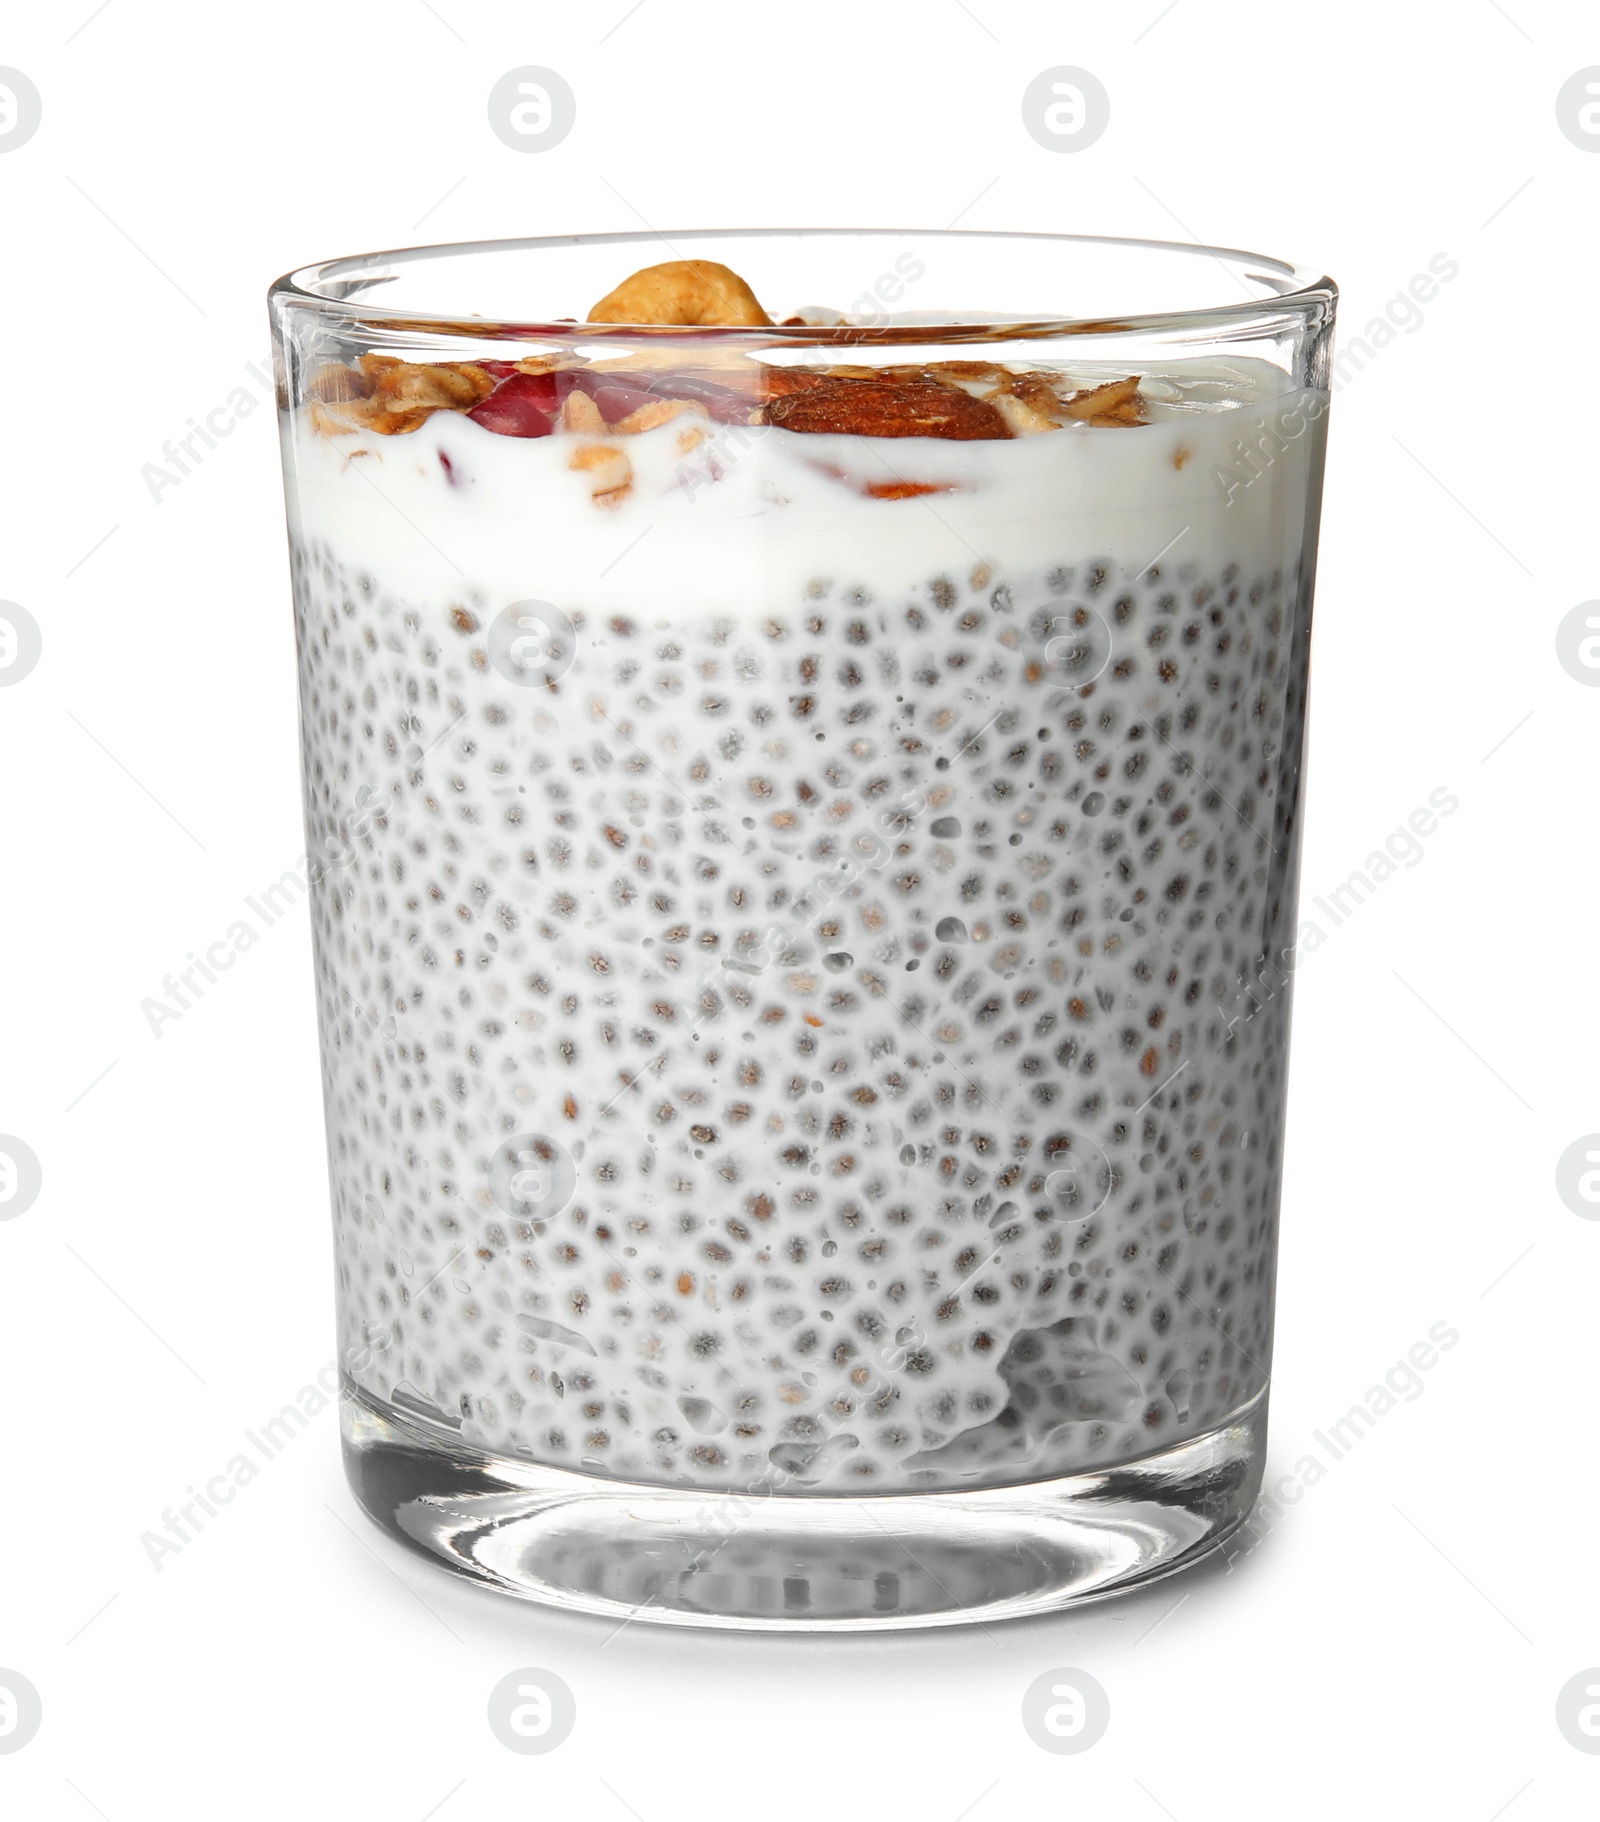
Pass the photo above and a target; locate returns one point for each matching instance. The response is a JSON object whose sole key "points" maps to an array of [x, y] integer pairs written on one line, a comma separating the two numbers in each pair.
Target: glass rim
{"points": [[1289, 290]]}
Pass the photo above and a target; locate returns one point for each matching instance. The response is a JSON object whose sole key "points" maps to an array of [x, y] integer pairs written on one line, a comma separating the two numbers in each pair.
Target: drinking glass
{"points": [[804, 905]]}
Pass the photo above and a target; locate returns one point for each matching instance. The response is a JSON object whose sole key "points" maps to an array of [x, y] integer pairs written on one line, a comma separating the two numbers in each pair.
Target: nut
{"points": [[445, 385], [333, 382], [1023, 419], [887, 408], [580, 412], [658, 411], [684, 291], [365, 414], [558, 362], [1116, 402], [390, 396], [976, 377], [609, 471], [1041, 400], [782, 382]]}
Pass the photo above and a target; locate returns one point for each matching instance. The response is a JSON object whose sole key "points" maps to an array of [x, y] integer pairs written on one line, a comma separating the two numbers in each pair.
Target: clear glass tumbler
{"points": [[805, 818]]}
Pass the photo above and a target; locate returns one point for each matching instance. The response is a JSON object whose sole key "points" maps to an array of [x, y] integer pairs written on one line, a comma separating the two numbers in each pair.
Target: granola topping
{"points": [[563, 393]]}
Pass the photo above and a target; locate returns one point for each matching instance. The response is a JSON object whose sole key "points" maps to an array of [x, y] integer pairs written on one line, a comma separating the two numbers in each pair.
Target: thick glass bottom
{"points": [[798, 1562]]}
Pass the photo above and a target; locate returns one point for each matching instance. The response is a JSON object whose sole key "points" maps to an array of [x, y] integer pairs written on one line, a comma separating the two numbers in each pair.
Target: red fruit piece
{"points": [[527, 404], [726, 404], [618, 394], [615, 397], [524, 405]]}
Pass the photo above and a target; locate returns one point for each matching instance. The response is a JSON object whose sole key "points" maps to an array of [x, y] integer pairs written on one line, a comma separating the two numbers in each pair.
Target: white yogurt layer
{"points": [[745, 521]]}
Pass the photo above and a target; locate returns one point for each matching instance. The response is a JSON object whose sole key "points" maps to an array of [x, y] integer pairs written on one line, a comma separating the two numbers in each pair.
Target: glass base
{"points": [[798, 1562]]}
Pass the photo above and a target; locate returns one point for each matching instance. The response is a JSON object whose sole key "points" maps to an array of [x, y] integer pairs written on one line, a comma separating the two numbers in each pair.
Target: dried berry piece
{"points": [[887, 408], [523, 405], [728, 403], [898, 489], [616, 398], [526, 404], [905, 490], [731, 392]]}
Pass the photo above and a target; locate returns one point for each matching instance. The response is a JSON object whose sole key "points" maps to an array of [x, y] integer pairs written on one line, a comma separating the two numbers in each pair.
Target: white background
{"points": [[1398, 1641]]}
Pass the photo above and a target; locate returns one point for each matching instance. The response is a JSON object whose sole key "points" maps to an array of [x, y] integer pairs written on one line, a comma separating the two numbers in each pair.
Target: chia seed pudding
{"points": [[802, 1030]]}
